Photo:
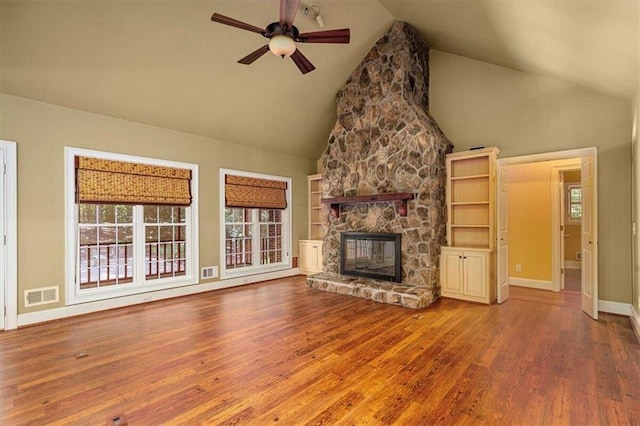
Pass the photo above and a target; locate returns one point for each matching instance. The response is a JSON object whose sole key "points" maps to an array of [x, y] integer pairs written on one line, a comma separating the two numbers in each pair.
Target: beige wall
{"points": [[478, 104], [43, 130]]}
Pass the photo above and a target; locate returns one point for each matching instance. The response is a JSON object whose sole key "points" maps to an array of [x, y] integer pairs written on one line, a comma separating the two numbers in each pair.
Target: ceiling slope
{"points": [[164, 63]]}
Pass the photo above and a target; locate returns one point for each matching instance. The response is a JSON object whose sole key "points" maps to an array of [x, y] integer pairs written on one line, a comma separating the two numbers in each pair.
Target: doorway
{"points": [[570, 193], [585, 160]]}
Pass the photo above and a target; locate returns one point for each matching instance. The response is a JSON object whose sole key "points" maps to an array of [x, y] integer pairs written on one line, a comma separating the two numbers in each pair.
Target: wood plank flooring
{"points": [[281, 353]]}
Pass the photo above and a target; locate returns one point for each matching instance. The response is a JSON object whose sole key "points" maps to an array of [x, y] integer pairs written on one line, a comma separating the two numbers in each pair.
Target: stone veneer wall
{"points": [[385, 141]]}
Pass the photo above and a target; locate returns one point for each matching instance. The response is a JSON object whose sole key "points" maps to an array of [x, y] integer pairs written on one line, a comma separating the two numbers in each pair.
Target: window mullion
{"points": [[255, 223], [138, 245]]}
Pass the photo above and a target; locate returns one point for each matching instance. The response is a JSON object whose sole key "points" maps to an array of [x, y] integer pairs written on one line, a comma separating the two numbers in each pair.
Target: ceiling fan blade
{"points": [[288, 11], [330, 36], [251, 57], [221, 19], [302, 62]]}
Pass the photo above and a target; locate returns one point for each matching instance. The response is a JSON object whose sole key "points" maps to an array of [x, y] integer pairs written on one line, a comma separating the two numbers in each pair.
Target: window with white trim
{"points": [[123, 248], [256, 238], [574, 203]]}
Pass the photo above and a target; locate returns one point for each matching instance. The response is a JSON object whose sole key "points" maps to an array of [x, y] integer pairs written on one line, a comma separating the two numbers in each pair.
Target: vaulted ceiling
{"points": [[164, 63]]}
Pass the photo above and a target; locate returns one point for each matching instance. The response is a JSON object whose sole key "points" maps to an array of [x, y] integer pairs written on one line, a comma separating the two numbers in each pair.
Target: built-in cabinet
{"points": [[310, 256], [310, 251], [467, 263], [468, 274]]}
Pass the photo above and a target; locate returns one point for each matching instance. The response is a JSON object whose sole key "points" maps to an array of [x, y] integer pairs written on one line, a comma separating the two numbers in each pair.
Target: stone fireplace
{"points": [[385, 142]]}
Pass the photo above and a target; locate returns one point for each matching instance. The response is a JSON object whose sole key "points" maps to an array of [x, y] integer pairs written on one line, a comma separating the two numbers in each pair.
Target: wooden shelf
{"points": [[470, 203], [470, 177], [399, 198]]}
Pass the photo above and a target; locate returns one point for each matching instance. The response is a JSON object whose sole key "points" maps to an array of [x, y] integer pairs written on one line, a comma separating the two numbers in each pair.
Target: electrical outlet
{"points": [[518, 267]]}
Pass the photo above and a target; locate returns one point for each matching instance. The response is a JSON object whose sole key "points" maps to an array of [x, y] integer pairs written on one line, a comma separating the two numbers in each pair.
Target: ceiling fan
{"points": [[283, 36]]}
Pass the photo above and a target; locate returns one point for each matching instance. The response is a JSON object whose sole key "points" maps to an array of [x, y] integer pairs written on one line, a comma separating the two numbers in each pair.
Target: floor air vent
{"points": [[40, 296]]}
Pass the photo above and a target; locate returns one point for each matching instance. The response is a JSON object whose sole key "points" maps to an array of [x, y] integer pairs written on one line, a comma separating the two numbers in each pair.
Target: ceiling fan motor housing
{"points": [[274, 29]]}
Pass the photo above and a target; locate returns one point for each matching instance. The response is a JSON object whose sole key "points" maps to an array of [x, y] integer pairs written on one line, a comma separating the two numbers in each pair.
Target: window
{"points": [[123, 246], [256, 237], [574, 204]]}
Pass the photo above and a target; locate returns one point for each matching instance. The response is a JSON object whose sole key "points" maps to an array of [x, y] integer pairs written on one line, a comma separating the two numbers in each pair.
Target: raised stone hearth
{"points": [[409, 296], [385, 141]]}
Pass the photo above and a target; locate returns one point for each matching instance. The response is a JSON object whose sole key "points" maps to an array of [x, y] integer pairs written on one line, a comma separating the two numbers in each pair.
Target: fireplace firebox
{"points": [[371, 254]]}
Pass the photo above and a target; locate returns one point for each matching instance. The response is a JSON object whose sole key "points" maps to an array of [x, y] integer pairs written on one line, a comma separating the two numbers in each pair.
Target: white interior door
{"points": [[8, 237], [562, 229], [589, 240], [3, 257], [503, 237]]}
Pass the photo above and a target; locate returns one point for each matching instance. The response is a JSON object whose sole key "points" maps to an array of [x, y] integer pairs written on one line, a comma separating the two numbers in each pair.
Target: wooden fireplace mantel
{"points": [[399, 198]]}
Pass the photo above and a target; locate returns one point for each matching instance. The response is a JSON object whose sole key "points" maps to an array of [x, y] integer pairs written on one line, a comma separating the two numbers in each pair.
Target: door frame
{"points": [[549, 156], [9, 254]]}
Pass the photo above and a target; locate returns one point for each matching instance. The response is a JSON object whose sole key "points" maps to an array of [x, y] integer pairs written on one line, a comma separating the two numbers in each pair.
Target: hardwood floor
{"points": [[569, 299], [279, 352]]}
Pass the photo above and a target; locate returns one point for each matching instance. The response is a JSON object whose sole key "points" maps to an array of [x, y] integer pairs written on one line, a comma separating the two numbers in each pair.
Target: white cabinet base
{"points": [[468, 274]]}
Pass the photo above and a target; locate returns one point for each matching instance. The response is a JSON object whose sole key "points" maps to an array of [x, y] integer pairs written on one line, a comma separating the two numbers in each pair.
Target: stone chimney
{"points": [[385, 141]]}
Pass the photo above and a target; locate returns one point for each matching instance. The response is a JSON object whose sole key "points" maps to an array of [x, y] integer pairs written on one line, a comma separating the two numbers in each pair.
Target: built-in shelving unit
{"points": [[470, 198], [315, 207], [467, 263], [311, 250]]}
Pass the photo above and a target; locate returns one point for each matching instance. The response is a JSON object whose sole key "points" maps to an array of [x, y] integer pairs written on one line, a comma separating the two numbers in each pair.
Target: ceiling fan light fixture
{"points": [[282, 45]]}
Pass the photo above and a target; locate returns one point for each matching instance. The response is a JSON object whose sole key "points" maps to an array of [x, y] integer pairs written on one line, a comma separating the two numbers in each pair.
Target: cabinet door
{"points": [[451, 272], [475, 274], [310, 256], [307, 260]]}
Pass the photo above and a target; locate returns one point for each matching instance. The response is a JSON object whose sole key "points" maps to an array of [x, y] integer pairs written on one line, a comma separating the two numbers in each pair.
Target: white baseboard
{"points": [[614, 307], [572, 264], [103, 305], [635, 322], [527, 282]]}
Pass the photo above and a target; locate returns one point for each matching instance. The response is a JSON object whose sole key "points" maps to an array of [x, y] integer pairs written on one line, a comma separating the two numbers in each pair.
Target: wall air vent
{"points": [[209, 272], [41, 296]]}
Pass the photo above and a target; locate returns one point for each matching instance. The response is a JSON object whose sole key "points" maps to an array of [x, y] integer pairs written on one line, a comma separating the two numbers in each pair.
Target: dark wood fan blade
{"points": [[221, 19], [302, 62], [251, 57], [288, 11], [331, 36]]}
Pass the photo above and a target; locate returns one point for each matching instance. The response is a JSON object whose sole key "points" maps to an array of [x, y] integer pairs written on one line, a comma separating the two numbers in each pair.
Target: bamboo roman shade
{"points": [[102, 181], [248, 192]]}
